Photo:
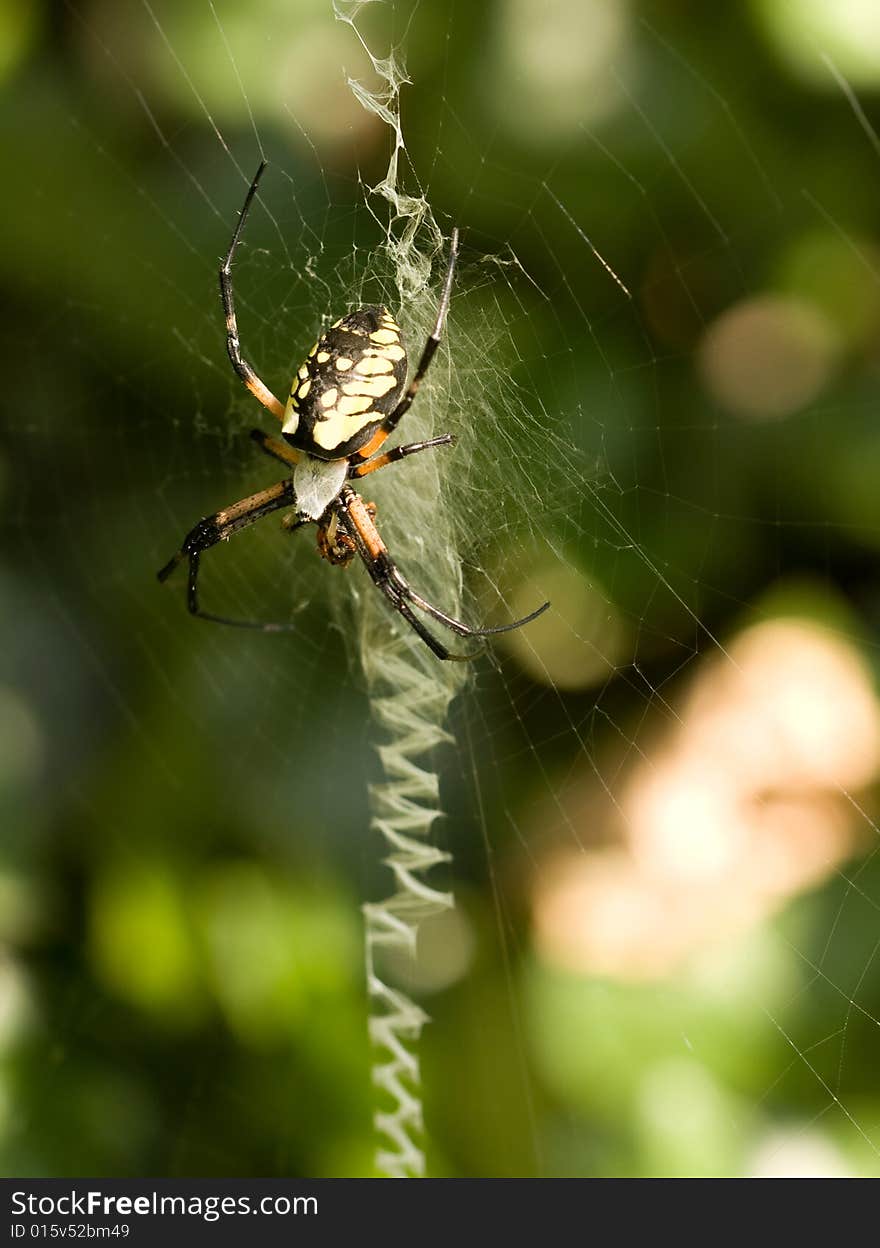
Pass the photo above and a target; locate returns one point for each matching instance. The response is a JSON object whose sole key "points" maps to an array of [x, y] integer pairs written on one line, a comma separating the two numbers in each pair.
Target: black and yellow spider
{"points": [[344, 402]]}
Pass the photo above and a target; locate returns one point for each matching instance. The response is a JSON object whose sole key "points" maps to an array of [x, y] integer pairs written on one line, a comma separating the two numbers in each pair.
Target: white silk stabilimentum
{"points": [[410, 690]]}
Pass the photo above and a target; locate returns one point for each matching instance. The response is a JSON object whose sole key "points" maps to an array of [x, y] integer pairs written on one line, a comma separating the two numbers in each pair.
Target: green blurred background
{"points": [[661, 806]]}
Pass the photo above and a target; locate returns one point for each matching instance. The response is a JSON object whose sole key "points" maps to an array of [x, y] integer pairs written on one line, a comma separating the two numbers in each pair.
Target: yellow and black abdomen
{"points": [[352, 379]]}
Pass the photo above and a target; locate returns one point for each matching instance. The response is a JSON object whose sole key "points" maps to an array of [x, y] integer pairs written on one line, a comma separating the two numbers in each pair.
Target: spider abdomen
{"points": [[352, 379]]}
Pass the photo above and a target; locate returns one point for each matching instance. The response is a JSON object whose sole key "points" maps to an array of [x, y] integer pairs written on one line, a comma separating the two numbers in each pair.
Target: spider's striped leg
{"points": [[386, 575], [431, 345], [355, 518], [217, 528], [276, 448], [399, 452], [258, 388], [390, 423], [465, 630], [426, 635]]}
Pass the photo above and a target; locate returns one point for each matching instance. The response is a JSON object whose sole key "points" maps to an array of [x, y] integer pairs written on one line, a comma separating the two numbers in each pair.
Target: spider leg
{"points": [[217, 528], [426, 635], [276, 448], [399, 452], [465, 630], [391, 422], [258, 388], [386, 576]]}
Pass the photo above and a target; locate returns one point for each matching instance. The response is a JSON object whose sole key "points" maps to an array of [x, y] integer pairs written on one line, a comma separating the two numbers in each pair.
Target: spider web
{"points": [[658, 800]]}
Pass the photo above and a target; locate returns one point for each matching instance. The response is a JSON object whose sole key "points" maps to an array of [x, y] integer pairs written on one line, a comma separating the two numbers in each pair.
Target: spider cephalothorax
{"points": [[345, 400]]}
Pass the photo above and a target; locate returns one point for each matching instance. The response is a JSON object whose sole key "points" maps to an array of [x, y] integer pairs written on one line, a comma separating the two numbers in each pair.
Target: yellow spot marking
{"points": [[304, 388], [394, 351], [313, 350], [384, 335], [303, 372], [336, 324], [354, 406], [291, 419], [374, 364], [376, 386], [338, 427], [344, 363], [323, 357], [328, 398]]}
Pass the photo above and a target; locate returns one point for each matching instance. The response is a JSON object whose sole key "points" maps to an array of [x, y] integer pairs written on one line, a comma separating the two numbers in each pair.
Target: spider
{"points": [[345, 400]]}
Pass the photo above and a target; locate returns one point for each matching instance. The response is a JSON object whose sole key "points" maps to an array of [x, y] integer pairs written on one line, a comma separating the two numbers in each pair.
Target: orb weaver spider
{"points": [[344, 402]]}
